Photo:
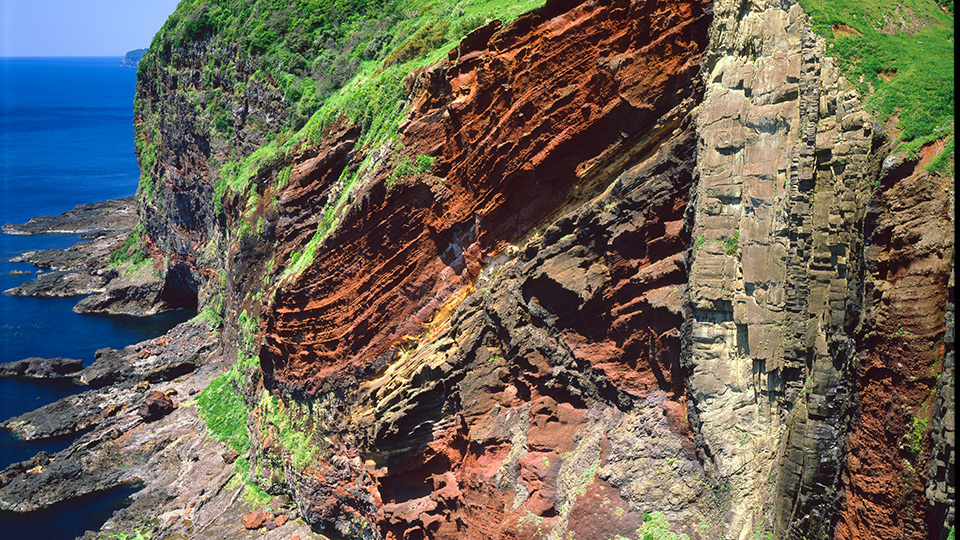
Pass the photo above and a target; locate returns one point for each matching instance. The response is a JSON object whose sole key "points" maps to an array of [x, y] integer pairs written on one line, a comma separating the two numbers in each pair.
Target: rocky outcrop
{"points": [[72, 415], [115, 215], [100, 267], [41, 368], [179, 352], [140, 293], [115, 445]]}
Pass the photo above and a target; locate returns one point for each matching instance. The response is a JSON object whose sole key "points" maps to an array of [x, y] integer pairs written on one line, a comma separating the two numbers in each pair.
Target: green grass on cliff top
{"points": [[356, 68], [331, 58], [909, 39]]}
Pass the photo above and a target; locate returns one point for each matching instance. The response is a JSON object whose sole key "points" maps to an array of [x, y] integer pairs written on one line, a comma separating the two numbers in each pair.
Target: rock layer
{"points": [[524, 121]]}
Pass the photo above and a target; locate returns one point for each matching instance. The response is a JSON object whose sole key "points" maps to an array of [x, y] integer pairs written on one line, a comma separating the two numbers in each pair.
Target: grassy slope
{"points": [[911, 38]]}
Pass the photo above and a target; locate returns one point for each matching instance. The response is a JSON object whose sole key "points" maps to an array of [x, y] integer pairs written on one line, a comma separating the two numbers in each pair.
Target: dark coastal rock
{"points": [[81, 269], [40, 460], [25, 490], [41, 368], [72, 414], [113, 215], [137, 294], [177, 353], [155, 406], [58, 284]]}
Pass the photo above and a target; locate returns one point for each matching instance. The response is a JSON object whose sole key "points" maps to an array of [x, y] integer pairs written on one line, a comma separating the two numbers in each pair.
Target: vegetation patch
{"points": [[223, 410], [730, 244], [899, 55], [656, 527], [131, 251], [292, 433]]}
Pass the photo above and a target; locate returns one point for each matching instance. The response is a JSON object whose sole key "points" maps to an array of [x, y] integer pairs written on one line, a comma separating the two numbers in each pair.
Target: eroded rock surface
{"points": [[519, 136]]}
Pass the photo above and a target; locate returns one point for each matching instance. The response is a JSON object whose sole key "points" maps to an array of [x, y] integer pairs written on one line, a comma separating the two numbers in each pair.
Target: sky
{"points": [[79, 27]]}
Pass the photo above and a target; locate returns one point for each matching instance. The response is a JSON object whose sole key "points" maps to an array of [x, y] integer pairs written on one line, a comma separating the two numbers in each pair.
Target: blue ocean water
{"points": [[66, 138]]}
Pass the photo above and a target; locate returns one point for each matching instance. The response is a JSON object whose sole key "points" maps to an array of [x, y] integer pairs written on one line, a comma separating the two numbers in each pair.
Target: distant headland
{"points": [[132, 58]]}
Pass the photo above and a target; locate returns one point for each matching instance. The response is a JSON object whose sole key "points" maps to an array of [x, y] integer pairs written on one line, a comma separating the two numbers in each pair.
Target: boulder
{"points": [[155, 406]]}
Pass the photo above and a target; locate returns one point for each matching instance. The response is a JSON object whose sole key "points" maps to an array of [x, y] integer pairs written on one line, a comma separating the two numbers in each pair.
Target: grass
{"points": [[919, 55], [656, 527], [223, 410], [131, 251], [730, 244]]}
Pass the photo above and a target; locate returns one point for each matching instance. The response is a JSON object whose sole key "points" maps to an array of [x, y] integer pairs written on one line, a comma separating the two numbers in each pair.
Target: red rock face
{"points": [[909, 259], [523, 121]]}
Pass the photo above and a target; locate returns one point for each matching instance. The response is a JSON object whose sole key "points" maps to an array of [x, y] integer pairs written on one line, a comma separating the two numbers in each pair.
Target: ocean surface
{"points": [[66, 138]]}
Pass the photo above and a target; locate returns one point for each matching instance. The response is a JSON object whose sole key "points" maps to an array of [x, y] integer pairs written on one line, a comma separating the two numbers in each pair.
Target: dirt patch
{"points": [[931, 151], [845, 30], [887, 74]]}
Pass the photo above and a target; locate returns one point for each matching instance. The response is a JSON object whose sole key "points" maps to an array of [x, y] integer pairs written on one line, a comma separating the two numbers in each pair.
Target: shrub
{"points": [[425, 163], [730, 244], [420, 43]]}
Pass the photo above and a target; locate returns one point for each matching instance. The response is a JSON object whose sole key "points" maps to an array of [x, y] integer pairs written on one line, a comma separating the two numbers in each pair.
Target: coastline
{"points": [[135, 427]]}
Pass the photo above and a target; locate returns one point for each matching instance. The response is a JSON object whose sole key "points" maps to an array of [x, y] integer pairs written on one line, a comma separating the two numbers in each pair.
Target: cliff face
{"points": [[617, 268]]}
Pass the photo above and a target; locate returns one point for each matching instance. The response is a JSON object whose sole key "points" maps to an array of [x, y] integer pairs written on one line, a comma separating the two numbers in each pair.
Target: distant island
{"points": [[132, 58]]}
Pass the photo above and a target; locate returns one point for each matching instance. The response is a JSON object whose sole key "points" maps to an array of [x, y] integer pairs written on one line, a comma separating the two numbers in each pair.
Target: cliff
{"points": [[576, 270]]}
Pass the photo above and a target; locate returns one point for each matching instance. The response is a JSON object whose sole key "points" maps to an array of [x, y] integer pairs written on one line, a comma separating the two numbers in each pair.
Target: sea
{"points": [[66, 138]]}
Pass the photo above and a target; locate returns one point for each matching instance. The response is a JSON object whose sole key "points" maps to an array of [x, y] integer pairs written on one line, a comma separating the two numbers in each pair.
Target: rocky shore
{"points": [[115, 215], [42, 368], [85, 269], [138, 424]]}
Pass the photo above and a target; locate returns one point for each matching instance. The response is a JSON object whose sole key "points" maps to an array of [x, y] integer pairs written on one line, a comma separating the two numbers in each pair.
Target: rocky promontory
{"points": [[108, 267], [115, 215], [42, 368]]}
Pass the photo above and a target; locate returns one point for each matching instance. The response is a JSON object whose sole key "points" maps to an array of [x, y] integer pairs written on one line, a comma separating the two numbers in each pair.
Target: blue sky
{"points": [[79, 27]]}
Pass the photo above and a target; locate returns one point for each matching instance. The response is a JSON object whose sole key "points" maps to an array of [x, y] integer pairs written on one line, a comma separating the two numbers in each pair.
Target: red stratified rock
{"points": [[524, 121]]}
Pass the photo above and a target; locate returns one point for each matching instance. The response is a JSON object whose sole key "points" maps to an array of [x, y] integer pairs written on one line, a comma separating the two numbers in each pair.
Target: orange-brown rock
{"points": [[254, 519], [523, 120]]}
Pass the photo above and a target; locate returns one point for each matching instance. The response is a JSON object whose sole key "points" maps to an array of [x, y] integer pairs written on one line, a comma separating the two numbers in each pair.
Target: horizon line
{"points": [[69, 56]]}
